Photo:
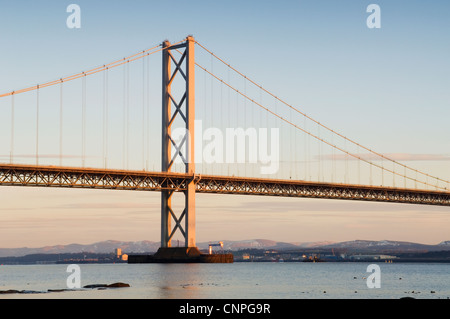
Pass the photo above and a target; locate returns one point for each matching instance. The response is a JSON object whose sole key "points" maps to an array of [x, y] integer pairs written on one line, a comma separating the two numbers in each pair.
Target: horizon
{"points": [[295, 243]]}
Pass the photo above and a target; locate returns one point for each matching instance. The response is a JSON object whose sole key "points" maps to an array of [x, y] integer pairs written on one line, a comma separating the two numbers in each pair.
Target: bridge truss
{"points": [[88, 178]]}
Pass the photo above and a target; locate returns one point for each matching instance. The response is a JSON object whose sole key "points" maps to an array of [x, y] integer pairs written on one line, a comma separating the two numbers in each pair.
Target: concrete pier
{"points": [[180, 255]]}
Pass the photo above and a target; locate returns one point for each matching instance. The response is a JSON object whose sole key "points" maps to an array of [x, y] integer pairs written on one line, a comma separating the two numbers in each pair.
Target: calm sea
{"points": [[232, 281]]}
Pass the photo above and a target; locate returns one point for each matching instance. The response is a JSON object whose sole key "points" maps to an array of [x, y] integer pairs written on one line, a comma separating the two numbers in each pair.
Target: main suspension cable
{"points": [[315, 136], [317, 122], [98, 69]]}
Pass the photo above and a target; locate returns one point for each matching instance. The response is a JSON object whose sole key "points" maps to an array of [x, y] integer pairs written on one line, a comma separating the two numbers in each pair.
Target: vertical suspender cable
{"points": [[128, 112], [211, 106], [415, 181], [236, 112], [290, 147], [296, 177], [309, 158], [404, 178], [222, 124], [11, 159], [393, 175], [319, 164], [359, 167], [229, 114], [204, 164], [333, 163], [260, 123], [281, 136], [148, 111], [83, 120], [124, 117], [104, 120], [37, 125], [106, 116], [245, 123], [60, 122], [143, 113], [371, 180], [346, 164], [305, 151]]}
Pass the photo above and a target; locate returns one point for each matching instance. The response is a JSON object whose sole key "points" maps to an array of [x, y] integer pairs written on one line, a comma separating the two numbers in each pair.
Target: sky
{"points": [[385, 87]]}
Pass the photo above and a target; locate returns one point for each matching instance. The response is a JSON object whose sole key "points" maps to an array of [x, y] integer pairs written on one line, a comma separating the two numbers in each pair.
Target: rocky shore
{"points": [[87, 287]]}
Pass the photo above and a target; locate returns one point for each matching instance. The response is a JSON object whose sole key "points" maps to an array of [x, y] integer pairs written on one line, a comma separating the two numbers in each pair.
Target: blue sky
{"points": [[335, 68], [387, 88]]}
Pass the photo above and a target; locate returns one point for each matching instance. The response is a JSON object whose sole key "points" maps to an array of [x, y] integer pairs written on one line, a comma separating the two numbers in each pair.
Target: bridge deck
{"points": [[72, 177]]}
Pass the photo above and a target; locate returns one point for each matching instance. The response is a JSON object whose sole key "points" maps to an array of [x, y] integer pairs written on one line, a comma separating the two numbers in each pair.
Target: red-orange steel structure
{"points": [[89, 178]]}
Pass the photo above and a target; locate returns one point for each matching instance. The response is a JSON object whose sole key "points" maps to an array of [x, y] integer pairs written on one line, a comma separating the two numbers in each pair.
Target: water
{"points": [[232, 281]]}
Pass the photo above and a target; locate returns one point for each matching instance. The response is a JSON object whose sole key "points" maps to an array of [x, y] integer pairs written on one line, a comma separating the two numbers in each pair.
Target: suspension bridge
{"points": [[104, 128]]}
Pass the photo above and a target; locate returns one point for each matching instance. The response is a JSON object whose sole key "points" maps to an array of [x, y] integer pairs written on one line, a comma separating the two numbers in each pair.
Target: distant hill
{"points": [[109, 246], [387, 246], [251, 243], [100, 247]]}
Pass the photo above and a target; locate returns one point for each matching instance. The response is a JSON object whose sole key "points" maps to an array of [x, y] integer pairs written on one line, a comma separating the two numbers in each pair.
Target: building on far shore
{"points": [[372, 257], [119, 255]]}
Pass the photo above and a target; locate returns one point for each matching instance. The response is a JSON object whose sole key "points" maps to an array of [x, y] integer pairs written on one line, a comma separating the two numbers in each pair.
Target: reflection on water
{"points": [[231, 281]]}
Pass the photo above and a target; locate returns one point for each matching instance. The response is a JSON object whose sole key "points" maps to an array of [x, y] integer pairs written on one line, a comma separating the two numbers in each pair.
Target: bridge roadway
{"points": [[73, 177]]}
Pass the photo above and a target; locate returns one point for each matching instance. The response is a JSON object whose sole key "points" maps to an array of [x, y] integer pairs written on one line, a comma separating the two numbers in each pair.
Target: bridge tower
{"points": [[184, 109]]}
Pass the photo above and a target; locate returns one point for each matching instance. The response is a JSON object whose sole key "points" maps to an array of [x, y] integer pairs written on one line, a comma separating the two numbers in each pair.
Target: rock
{"points": [[99, 286], [31, 292], [114, 285], [13, 291], [118, 285], [96, 286], [58, 290], [10, 291]]}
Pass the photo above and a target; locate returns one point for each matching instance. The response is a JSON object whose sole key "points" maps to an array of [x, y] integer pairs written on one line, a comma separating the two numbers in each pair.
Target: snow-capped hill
{"points": [[109, 246], [250, 244], [313, 244], [387, 243], [103, 247], [383, 245]]}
